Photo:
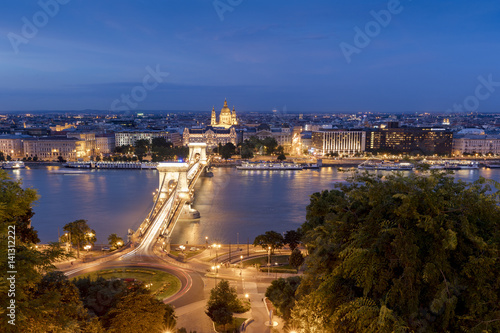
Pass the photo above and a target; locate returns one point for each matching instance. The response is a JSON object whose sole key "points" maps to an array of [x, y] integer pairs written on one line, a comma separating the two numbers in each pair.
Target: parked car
{"points": [[193, 249], [105, 248]]}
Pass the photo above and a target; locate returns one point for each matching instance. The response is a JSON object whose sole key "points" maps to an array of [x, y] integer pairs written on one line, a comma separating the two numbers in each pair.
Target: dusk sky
{"points": [[427, 55]]}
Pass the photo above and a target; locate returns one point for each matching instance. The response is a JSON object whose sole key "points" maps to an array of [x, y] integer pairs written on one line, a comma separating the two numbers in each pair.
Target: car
{"points": [[105, 248], [193, 249]]}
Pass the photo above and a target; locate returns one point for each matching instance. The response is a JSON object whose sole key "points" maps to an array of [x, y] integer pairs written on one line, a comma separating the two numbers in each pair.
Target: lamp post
{"points": [[268, 259], [215, 268], [216, 246], [241, 263]]}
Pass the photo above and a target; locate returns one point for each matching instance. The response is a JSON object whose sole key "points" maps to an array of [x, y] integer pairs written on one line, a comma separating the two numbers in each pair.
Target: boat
{"points": [[455, 165], [13, 165], [268, 166], [68, 172], [493, 165], [387, 166], [310, 166]]}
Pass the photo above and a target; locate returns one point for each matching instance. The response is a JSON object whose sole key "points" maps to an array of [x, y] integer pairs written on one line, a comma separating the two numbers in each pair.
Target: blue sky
{"points": [[262, 55]]}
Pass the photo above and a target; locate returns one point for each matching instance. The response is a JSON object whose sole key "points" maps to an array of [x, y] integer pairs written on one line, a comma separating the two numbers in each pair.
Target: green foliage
{"points": [[223, 302], [79, 234], [271, 239], [139, 312], [292, 238], [227, 150], [281, 157], [115, 241], [296, 259], [246, 152], [269, 145], [141, 148], [126, 149], [281, 293], [401, 254]]}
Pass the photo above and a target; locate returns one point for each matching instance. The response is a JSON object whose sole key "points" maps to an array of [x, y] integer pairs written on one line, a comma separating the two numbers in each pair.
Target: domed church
{"points": [[226, 117], [220, 132]]}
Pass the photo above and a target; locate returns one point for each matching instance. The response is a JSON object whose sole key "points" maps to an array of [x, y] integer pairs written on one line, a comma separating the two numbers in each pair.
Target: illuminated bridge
{"points": [[172, 199]]}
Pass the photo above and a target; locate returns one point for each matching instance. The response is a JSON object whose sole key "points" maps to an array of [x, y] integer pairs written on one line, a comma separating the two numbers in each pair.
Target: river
{"points": [[235, 206]]}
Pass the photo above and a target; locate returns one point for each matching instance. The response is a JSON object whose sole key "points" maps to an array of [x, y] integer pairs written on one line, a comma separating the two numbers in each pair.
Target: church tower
{"points": [[213, 121], [233, 117]]}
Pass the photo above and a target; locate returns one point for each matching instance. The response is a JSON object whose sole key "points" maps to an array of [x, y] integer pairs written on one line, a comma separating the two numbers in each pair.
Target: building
{"points": [[476, 144], [343, 142], [126, 138], [410, 140], [88, 138], [50, 148], [105, 144], [212, 136], [283, 136], [226, 117], [12, 145]]}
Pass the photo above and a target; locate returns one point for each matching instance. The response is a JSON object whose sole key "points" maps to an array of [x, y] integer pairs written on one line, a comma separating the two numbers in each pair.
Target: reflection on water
{"points": [[232, 203], [111, 200]]}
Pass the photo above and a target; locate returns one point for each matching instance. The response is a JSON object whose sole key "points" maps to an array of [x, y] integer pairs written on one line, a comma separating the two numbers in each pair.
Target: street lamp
{"points": [[268, 259], [215, 268], [241, 263], [87, 247], [216, 246]]}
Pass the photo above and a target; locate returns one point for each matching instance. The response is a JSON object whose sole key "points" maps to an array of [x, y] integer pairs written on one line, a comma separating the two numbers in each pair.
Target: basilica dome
{"points": [[225, 109]]}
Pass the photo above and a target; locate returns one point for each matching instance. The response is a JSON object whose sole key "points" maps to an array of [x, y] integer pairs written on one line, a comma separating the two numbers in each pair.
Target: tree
{"points": [[223, 302], [271, 239], [292, 238], [160, 142], [281, 157], [30, 263], [2, 156], [246, 152], [140, 312], [115, 241], [407, 254], [141, 148], [281, 293], [59, 303], [269, 144], [79, 234], [60, 159], [227, 150], [15, 209], [296, 259]]}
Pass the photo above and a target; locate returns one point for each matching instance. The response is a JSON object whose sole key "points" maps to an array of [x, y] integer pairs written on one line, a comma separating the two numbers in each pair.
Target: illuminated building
{"points": [[11, 145], [343, 142], [212, 136], [125, 138], [411, 140], [226, 117], [50, 148], [476, 144], [219, 132]]}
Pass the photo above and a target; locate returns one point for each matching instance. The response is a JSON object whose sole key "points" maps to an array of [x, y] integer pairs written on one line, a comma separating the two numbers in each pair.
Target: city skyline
{"points": [[372, 56]]}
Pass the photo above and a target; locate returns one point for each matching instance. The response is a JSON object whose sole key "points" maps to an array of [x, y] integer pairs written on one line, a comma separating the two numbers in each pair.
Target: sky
{"points": [[301, 56]]}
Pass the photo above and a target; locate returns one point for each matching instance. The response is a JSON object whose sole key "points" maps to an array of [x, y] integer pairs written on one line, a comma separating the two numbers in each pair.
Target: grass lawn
{"points": [[163, 284], [280, 259], [231, 327], [188, 254]]}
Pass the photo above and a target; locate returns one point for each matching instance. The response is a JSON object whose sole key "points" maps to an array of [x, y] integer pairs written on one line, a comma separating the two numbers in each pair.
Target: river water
{"points": [[235, 205]]}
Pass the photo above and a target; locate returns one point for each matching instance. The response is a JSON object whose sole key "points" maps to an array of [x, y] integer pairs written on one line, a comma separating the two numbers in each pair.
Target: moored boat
{"points": [[268, 166], [13, 165]]}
